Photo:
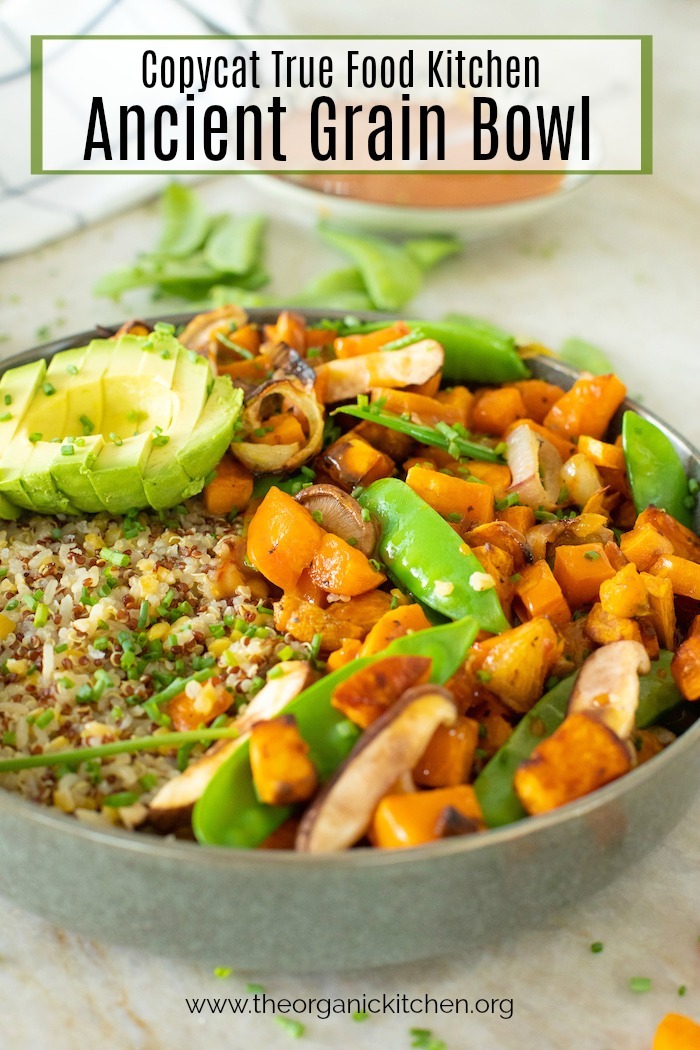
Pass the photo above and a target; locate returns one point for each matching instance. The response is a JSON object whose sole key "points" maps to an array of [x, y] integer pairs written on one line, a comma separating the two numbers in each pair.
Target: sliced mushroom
{"points": [[173, 804], [269, 459], [338, 512], [586, 528], [200, 333], [342, 812], [346, 378], [502, 535], [608, 685]]}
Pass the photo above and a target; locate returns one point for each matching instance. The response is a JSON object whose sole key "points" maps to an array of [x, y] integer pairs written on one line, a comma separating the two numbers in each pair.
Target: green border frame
{"points": [[37, 108]]}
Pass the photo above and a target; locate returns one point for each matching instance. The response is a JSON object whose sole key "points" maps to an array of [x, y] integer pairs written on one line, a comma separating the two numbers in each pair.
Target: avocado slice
{"points": [[120, 424], [165, 480], [214, 429], [17, 389]]}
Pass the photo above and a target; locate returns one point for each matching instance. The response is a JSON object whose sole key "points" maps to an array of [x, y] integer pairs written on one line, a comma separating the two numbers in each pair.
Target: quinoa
{"points": [[96, 616]]}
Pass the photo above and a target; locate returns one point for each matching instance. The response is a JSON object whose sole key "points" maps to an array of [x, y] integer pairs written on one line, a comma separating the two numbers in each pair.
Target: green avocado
{"points": [[17, 389], [117, 425]]}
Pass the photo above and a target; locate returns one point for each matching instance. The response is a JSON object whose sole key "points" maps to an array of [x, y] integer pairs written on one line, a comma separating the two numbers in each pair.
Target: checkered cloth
{"points": [[35, 209]]}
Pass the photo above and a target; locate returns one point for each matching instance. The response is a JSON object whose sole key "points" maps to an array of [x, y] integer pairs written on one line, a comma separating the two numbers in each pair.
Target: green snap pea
{"points": [[341, 289], [475, 351], [428, 558], [448, 439], [235, 246], [229, 812], [494, 788], [586, 357], [391, 277], [654, 469], [429, 252], [185, 223]]}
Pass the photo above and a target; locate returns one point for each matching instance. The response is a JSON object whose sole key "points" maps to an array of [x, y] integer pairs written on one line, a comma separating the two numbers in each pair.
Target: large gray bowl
{"points": [[282, 911]]}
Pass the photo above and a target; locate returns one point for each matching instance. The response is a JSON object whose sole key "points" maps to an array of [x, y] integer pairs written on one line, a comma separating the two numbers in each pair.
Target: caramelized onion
{"points": [[535, 466]]}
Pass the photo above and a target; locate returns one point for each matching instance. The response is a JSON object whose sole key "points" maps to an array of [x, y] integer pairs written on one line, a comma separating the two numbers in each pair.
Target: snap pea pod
{"points": [[585, 356], [229, 812], [447, 438], [654, 469], [390, 275], [428, 558], [500, 804], [235, 246], [475, 351]]}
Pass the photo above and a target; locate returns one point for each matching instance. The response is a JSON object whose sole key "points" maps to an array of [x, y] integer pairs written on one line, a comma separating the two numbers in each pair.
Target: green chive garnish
{"points": [[36, 436], [143, 615], [45, 719], [121, 798], [41, 615], [640, 984], [115, 557], [48, 389], [67, 450]]}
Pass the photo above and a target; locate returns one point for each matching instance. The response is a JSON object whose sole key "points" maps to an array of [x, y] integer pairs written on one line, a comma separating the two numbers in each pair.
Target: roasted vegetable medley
{"points": [[479, 590]]}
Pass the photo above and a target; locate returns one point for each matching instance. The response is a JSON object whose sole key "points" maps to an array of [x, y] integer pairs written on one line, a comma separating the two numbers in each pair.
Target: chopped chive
{"points": [[317, 516], [315, 647], [5, 416], [682, 989], [230, 345], [591, 555], [9, 739], [87, 424], [143, 615], [366, 516], [48, 388], [8, 399], [85, 694], [67, 450], [286, 653], [597, 947], [115, 557], [255, 989], [148, 781], [222, 972], [36, 436], [454, 517], [45, 719], [41, 616], [164, 328], [12, 604], [60, 648], [72, 370], [394, 602], [121, 798], [291, 1026], [101, 643], [352, 541], [640, 984], [115, 438], [484, 676], [359, 1015]]}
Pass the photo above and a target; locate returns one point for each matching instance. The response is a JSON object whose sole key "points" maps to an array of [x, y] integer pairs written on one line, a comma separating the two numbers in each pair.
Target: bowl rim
{"points": [[187, 852]]}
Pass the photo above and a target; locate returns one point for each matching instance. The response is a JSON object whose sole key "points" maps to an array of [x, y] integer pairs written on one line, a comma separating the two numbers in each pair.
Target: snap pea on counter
{"points": [[229, 813], [500, 804], [654, 469], [427, 557]]}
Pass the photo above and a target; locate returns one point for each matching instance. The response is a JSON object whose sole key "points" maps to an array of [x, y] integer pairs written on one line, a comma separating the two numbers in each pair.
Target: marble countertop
{"points": [[619, 265]]}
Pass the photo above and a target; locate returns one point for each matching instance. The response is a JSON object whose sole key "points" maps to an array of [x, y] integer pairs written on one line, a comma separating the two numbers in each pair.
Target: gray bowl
{"points": [[281, 911]]}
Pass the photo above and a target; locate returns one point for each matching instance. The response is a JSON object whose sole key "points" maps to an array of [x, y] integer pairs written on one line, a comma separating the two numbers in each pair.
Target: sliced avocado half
{"points": [[118, 425]]}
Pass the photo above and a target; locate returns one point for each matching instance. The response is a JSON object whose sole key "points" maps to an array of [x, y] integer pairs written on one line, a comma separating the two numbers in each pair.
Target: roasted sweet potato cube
{"points": [[367, 694], [448, 758], [581, 755], [394, 624], [282, 771], [493, 411], [662, 610], [580, 570], [685, 668], [303, 619], [396, 446], [412, 819], [539, 594], [189, 712], [624, 594], [516, 665], [643, 545], [684, 542], [603, 627], [350, 461], [683, 574]]}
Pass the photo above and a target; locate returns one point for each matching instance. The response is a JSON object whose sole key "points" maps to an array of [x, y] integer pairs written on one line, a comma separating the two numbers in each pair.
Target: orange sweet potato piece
{"points": [[429, 388], [424, 816], [231, 573], [539, 594], [459, 400], [602, 454], [283, 539], [538, 397], [255, 370], [497, 475], [369, 692], [448, 758], [683, 574], [603, 627], [189, 712], [350, 461], [230, 489], [282, 771], [347, 652], [643, 545], [685, 543], [581, 755], [290, 329], [450, 496], [369, 342], [340, 622], [394, 624], [521, 518], [338, 568], [494, 411], [420, 408], [396, 446], [685, 668], [281, 429], [677, 1032], [587, 407], [518, 662], [579, 570], [624, 594]]}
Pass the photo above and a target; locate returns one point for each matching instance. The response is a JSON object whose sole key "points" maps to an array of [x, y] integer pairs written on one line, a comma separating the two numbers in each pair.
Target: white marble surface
{"points": [[618, 265]]}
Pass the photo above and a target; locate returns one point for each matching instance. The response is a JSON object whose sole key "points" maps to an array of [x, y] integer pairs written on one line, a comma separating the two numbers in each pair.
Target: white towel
{"points": [[35, 209]]}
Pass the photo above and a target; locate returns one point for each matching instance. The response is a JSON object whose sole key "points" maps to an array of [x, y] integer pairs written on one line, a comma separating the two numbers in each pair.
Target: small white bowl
{"points": [[309, 206]]}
